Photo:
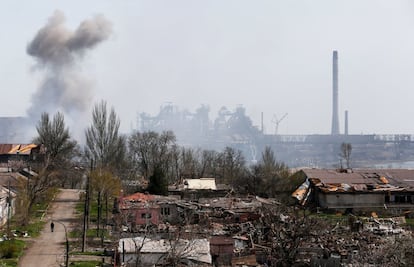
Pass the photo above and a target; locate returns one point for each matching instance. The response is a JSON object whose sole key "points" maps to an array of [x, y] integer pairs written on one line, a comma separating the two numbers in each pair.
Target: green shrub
{"points": [[11, 248]]}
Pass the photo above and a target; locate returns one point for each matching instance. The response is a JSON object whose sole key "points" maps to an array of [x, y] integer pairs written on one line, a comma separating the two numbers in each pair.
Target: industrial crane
{"points": [[277, 121]]}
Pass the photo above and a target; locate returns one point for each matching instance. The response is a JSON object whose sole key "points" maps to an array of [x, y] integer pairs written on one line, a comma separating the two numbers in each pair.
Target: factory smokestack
{"points": [[58, 51], [346, 122], [335, 118]]}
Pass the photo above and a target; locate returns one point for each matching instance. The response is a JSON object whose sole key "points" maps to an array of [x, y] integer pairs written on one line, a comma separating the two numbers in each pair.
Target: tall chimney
{"points": [[346, 122], [262, 123], [335, 118]]}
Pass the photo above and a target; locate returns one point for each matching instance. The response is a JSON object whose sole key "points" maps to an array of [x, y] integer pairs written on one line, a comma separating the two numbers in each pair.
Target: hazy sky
{"points": [[270, 56]]}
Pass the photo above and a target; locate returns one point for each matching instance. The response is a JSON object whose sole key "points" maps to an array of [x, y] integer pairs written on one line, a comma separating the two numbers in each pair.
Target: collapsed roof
{"points": [[357, 180]]}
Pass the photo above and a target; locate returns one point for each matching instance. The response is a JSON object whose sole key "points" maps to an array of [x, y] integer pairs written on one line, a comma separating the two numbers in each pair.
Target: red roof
{"points": [[139, 197], [16, 148]]}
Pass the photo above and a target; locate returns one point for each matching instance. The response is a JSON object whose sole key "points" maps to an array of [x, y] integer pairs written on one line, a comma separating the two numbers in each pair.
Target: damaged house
{"points": [[143, 251], [11, 153], [357, 189], [141, 209]]}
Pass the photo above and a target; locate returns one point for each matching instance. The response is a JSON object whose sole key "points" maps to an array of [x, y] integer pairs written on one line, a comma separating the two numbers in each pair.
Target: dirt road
{"points": [[49, 248]]}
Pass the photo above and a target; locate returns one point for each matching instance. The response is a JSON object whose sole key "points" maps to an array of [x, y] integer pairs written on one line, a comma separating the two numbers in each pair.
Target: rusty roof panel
{"points": [[361, 180], [23, 149], [5, 148]]}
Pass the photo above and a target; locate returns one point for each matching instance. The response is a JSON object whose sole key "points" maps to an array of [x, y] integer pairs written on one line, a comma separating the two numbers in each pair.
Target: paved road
{"points": [[49, 248]]}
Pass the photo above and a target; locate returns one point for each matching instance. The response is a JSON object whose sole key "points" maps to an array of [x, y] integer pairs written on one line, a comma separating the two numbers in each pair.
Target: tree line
{"points": [[109, 157]]}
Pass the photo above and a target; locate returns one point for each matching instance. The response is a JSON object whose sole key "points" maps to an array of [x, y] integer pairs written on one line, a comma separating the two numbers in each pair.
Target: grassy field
{"points": [[10, 251]]}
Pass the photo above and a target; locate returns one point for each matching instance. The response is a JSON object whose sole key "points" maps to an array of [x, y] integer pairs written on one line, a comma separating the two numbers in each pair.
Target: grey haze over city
{"points": [[271, 57]]}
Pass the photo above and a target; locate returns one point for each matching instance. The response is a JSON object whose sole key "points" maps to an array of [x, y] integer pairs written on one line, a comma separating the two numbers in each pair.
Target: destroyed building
{"points": [[143, 251], [391, 189], [142, 209], [194, 189]]}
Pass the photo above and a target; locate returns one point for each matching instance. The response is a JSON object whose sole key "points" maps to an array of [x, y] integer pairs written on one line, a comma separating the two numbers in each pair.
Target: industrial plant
{"points": [[233, 128]]}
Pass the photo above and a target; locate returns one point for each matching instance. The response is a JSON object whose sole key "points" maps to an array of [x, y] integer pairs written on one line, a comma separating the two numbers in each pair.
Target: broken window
{"points": [[400, 199], [165, 211], [145, 215]]}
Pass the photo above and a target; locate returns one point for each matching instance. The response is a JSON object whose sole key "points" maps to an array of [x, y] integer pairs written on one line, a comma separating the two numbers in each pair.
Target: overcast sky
{"points": [[271, 56]]}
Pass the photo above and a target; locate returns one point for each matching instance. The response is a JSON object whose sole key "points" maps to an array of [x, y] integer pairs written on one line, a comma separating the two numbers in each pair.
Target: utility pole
{"points": [[8, 208], [86, 210], [99, 214]]}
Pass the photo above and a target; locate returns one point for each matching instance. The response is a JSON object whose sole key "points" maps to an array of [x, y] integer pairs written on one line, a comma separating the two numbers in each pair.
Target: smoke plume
{"points": [[58, 51]]}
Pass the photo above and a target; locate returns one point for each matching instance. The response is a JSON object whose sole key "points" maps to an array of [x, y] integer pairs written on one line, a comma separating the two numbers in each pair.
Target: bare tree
{"points": [[54, 136], [193, 163], [104, 145], [232, 165], [288, 228], [390, 251], [208, 164], [55, 163], [270, 175], [150, 150], [106, 185], [32, 189], [180, 248]]}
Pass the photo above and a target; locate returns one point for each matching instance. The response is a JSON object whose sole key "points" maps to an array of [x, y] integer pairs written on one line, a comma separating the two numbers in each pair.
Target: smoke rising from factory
{"points": [[58, 52]]}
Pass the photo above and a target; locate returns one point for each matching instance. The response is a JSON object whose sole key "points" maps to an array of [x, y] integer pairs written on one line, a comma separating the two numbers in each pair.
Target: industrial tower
{"points": [[335, 117]]}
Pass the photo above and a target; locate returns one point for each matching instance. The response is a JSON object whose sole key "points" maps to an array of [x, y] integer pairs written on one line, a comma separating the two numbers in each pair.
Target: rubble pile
{"points": [[265, 233]]}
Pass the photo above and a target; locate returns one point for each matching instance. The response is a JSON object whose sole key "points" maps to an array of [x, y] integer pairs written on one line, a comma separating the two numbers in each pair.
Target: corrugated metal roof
{"points": [[140, 197], [24, 149], [5, 148], [333, 176], [195, 249], [361, 179]]}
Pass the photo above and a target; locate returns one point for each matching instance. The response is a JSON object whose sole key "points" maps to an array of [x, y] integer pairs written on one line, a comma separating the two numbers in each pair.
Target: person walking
{"points": [[52, 226]]}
